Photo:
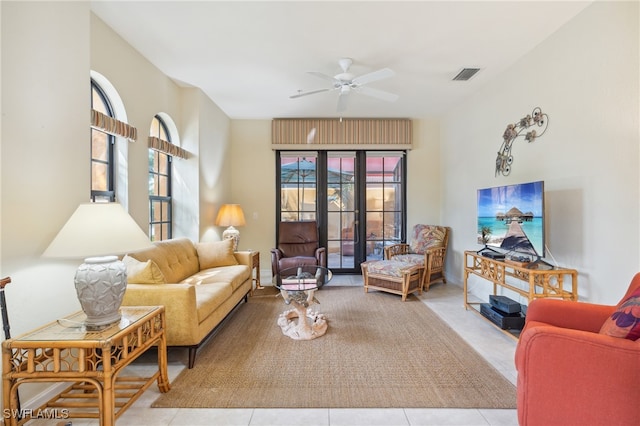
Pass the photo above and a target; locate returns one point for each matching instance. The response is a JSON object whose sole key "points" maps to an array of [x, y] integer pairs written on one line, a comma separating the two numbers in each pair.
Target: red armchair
{"points": [[569, 373]]}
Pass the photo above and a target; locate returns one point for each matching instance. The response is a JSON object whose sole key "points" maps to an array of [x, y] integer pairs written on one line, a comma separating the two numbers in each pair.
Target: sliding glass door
{"points": [[357, 198]]}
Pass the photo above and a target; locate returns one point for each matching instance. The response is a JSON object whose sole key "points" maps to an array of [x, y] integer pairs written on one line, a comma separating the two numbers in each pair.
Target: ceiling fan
{"points": [[345, 83]]}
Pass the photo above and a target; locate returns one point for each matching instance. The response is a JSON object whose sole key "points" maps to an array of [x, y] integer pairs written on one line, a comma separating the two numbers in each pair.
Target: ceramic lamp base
{"points": [[100, 285], [232, 233]]}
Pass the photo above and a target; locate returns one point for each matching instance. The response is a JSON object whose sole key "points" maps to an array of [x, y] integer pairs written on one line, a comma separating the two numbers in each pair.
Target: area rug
{"points": [[378, 352]]}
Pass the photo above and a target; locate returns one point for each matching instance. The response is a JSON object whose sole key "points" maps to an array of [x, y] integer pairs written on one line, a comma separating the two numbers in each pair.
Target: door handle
{"points": [[356, 234]]}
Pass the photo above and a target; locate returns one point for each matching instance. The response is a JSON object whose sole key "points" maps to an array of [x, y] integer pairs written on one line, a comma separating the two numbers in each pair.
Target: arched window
{"points": [[160, 212], [102, 157]]}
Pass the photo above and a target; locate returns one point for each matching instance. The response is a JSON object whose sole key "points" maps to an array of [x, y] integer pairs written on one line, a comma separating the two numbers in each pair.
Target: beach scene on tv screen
{"points": [[511, 217]]}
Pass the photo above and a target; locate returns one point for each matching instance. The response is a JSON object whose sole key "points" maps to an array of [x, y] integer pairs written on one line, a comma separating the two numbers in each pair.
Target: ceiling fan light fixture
{"points": [[465, 74], [345, 63]]}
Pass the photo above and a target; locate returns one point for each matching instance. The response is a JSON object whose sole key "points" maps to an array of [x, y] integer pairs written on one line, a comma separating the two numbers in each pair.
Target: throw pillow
{"points": [[425, 237], [625, 321], [216, 253], [143, 272]]}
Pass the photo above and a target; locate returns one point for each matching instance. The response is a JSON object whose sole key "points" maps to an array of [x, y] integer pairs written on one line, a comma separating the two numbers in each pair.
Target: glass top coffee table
{"points": [[298, 286]]}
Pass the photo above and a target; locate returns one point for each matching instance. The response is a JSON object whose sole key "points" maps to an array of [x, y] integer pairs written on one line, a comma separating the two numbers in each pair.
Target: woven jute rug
{"points": [[378, 352]]}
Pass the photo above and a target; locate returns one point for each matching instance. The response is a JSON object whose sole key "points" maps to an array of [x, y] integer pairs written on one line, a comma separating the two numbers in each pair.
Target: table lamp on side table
{"points": [[96, 232], [231, 215]]}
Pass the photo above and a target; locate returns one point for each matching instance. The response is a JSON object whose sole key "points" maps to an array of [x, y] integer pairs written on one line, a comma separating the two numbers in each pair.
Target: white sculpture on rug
{"points": [[309, 324]]}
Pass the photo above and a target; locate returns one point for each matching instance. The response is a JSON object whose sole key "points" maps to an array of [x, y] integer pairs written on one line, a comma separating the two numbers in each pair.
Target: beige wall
{"points": [[214, 168], [424, 193], [201, 182], [45, 151], [45, 154], [46, 65], [585, 76], [253, 186]]}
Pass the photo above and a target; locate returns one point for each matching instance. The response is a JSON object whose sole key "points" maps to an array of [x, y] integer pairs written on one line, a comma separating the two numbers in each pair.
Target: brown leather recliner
{"points": [[298, 245]]}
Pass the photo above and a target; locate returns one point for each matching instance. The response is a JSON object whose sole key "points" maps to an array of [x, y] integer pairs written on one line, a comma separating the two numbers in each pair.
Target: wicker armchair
{"points": [[427, 247]]}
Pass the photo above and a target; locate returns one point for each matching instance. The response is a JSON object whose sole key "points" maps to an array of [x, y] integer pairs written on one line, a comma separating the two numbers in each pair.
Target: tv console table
{"points": [[536, 283]]}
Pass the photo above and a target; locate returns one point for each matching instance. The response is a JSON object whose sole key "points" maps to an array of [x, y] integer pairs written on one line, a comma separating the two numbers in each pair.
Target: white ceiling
{"points": [[249, 57]]}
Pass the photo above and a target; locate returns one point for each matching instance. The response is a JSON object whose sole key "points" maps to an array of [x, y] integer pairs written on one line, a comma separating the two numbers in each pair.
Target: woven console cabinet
{"points": [[392, 276]]}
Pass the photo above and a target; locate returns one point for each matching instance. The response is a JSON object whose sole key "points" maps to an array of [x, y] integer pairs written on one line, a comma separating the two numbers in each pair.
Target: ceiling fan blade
{"points": [[342, 100], [376, 93], [374, 76], [312, 92], [333, 81]]}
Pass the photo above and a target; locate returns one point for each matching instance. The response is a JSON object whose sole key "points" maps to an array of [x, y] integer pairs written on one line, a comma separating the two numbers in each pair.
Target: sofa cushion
{"points": [[209, 297], [216, 253], [177, 258], [235, 275], [143, 272], [625, 321]]}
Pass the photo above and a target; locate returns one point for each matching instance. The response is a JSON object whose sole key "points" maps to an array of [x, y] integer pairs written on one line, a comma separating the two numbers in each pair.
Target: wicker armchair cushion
{"points": [[412, 258], [424, 237], [392, 268]]}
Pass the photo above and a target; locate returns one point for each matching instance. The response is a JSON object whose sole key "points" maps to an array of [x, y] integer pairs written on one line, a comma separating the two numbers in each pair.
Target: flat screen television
{"points": [[511, 218]]}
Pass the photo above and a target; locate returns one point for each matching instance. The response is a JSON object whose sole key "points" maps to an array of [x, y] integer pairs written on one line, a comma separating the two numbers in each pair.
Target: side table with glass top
{"points": [[298, 286], [64, 351]]}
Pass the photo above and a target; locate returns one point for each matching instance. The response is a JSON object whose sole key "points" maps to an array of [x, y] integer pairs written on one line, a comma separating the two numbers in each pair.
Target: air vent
{"points": [[466, 74]]}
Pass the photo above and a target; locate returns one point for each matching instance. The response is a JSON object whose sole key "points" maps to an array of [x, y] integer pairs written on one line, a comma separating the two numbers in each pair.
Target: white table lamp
{"points": [[97, 232], [231, 215]]}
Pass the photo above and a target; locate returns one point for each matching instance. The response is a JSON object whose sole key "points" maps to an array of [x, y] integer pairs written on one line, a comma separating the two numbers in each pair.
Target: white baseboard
{"points": [[45, 395]]}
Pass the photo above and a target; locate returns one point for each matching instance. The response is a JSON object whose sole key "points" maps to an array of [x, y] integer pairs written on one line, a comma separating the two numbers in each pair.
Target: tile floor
{"points": [[446, 300]]}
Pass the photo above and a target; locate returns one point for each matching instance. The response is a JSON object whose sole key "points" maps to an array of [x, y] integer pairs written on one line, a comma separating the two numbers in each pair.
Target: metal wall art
{"points": [[536, 118]]}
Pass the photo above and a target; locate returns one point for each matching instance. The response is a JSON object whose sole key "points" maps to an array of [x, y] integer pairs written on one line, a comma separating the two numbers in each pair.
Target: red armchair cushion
{"points": [[625, 321]]}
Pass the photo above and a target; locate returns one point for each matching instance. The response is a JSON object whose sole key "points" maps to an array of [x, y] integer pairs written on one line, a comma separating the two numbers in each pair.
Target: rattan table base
{"points": [[91, 361]]}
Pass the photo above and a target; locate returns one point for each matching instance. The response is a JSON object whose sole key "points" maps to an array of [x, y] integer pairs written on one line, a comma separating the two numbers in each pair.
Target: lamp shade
{"points": [[230, 215], [97, 232], [97, 229]]}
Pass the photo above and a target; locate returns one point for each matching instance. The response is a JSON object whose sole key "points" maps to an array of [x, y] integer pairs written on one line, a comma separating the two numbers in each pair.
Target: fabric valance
{"points": [[112, 126], [345, 133], [167, 147]]}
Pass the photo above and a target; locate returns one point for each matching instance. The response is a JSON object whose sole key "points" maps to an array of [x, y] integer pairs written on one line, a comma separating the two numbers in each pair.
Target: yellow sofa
{"points": [[199, 284]]}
